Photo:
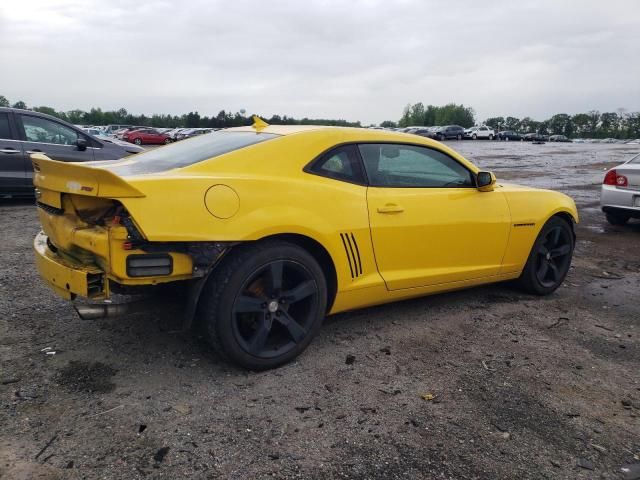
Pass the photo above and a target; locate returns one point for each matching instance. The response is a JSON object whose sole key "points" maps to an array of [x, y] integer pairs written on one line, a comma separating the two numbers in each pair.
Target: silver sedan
{"points": [[620, 195]]}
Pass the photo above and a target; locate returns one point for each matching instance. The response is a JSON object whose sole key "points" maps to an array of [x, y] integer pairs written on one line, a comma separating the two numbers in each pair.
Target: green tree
{"points": [[495, 122], [3, 101], [388, 124], [512, 123], [20, 104], [561, 124]]}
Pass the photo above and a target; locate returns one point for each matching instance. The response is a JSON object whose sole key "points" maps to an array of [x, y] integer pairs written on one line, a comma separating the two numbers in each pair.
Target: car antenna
{"points": [[258, 123]]}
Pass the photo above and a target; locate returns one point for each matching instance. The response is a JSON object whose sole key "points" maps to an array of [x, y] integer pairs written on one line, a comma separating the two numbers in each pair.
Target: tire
{"points": [[262, 306], [442, 138], [167, 141], [549, 259], [474, 136], [459, 137], [617, 218], [138, 141], [490, 137], [506, 139]]}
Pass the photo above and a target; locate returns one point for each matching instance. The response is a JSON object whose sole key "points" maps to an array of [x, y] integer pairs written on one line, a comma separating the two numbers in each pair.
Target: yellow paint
{"points": [[222, 201], [411, 242]]}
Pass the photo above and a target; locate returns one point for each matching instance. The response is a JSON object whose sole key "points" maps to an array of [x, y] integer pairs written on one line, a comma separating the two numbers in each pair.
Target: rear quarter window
{"points": [[188, 152]]}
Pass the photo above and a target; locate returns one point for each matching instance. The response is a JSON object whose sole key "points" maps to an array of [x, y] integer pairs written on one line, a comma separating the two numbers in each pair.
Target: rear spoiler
{"points": [[79, 178]]}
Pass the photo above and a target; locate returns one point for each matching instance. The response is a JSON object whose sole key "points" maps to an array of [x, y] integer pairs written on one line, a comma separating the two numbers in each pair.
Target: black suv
{"points": [[450, 131], [23, 132]]}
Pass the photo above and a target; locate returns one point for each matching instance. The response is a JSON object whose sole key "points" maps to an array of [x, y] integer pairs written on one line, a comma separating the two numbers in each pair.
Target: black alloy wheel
{"points": [[275, 309], [553, 256], [263, 304], [549, 259]]}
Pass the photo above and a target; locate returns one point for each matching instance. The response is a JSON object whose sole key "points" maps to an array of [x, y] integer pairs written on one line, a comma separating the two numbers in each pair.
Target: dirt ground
{"points": [[519, 387]]}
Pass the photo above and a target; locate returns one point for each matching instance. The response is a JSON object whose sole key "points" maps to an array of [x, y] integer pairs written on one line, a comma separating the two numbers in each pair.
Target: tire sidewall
{"points": [[529, 279], [220, 321]]}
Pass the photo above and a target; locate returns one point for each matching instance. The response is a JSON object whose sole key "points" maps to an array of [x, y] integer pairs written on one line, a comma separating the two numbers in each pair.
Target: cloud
{"points": [[358, 60]]}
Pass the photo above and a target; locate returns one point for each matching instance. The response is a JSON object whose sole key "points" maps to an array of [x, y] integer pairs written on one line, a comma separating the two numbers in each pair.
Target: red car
{"points": [[146, 135]]}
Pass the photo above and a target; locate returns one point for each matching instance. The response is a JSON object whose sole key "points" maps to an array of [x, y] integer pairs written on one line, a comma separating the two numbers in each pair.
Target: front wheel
{"points": [[474, 136], [264, 304], [459, 137], [490, 137], [138, 141], [167, 141], [617, 219], [549, 259]]}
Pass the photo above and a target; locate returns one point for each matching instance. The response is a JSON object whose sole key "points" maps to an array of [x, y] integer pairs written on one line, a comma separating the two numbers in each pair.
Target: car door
{"points": [[429, 224], [153, 136], [54, 139], [15, 178]]}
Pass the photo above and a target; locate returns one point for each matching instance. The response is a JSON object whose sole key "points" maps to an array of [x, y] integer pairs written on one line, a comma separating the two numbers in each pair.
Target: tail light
{"points": [[612, 178]]}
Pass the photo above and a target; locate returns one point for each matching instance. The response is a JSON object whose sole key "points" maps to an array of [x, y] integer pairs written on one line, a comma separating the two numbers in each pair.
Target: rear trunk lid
{"points": [[632, 172]]}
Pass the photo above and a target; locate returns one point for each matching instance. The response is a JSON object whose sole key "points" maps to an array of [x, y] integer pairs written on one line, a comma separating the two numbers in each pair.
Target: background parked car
{"points": [[111, 129], [145, 136], [23, 132], [428, 132], [482, 131], [559, 138], [535, 137], [509, 135], [92, 130], [192, 132], [620, 193], [450, 131]]}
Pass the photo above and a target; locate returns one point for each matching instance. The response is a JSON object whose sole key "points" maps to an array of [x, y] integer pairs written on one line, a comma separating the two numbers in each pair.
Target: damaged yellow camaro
{"points": [[274, 227]]}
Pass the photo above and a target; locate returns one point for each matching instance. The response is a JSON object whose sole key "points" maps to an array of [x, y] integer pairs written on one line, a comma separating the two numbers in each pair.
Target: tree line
{"points": [[593, 124], [224, 119]]}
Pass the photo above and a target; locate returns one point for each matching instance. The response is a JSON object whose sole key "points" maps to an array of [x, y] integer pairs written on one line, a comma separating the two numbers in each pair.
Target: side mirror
{"points": [[485, 181], [82, 144]]}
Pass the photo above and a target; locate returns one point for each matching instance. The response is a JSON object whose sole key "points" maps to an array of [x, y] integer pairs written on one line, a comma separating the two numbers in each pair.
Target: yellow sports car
{"points": [[274, 227]]}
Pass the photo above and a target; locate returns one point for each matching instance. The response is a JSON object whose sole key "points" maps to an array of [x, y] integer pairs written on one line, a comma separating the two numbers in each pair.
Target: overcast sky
{"points": [[357, 60]]}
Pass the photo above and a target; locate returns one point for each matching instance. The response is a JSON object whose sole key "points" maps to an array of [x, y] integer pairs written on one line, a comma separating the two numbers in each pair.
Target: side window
{"points": [[395, 165], [5, 130], [340, 163], [38, 129]]}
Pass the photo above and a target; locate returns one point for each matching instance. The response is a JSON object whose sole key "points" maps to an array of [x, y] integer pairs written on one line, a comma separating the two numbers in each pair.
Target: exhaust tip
{"points": [[97, 311]]}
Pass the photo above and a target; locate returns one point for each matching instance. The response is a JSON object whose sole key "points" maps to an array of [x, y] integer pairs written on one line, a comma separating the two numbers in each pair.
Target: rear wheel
{"points": [[550, 258], [617, 218], [459, 137], [490, 136], [167, 141], [264, 304]]}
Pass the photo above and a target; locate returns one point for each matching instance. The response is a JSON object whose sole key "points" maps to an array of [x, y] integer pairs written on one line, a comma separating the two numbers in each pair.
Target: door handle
{"points": [[9, 150], [34, 151], [390, 208]]}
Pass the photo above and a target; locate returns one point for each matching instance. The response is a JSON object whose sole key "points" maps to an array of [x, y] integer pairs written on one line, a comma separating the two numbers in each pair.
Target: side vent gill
{"points": [[353, 254]]}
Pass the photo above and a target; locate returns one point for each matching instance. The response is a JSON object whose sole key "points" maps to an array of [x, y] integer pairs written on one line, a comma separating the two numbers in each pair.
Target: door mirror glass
{"points": [[485, 181], [82, 144]]}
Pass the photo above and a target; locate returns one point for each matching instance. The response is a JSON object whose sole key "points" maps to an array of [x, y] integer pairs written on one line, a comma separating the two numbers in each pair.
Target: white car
{"points": [[620, 194], [480, 132]]}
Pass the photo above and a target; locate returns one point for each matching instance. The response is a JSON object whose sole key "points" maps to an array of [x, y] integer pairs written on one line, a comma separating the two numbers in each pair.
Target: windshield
{"points": [[635, 159], [188, 152]]}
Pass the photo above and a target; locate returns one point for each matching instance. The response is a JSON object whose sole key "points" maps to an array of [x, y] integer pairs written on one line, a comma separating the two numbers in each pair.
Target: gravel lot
{"points": [[515, 387]]}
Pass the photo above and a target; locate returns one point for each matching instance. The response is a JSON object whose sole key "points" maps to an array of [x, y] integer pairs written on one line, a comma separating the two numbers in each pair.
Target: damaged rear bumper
{"points": [[67, 279]]}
